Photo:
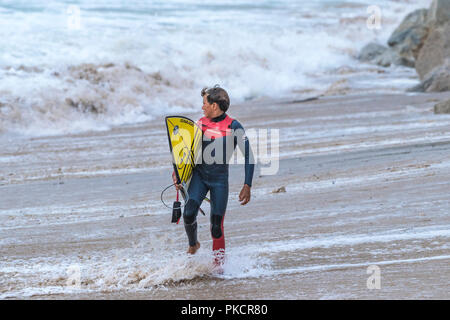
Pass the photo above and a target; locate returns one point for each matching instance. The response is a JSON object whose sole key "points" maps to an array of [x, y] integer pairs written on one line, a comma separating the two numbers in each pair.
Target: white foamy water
{"points": [[148, 268], [89, 65]]}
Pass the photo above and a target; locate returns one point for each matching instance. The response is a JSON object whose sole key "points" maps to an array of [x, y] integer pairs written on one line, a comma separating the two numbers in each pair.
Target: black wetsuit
{"points": [[220, 137]]}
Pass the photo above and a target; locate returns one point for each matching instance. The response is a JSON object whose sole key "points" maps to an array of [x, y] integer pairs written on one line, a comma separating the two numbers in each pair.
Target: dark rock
{"points": [[442, 107], [87, 106], [279, 190], [413, 20], [383, 56], [371, 51], [380, 55], [410, 36], [392, 57]]}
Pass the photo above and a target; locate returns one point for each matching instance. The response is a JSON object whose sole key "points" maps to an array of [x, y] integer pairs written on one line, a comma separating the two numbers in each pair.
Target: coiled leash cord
{"points": [[177, 205], [171, 208]]}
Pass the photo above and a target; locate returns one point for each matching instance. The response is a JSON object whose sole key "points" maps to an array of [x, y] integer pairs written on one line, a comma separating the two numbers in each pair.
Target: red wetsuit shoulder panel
{"points": [[214, 130]]}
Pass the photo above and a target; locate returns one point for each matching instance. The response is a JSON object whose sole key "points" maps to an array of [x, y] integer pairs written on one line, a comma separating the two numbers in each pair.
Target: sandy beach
{"points": [[365, 176]]}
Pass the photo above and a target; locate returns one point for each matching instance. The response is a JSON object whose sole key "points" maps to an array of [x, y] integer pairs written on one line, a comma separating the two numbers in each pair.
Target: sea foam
{"points": [[131, 62]]}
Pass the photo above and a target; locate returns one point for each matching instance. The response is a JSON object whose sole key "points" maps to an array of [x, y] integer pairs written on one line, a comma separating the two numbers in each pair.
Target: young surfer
{"points": [[221, 134]]}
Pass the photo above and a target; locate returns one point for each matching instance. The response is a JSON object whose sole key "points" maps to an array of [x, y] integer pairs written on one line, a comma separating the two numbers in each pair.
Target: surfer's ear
{"points": [[216, 106]]}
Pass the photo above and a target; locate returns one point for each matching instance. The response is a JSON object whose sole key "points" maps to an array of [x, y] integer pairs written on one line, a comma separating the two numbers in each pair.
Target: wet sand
{"points": [[366, 181]]}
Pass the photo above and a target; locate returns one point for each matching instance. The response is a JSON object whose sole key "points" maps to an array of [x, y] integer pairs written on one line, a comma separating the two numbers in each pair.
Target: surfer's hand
{"points": [[174, 178], [244, 195]]}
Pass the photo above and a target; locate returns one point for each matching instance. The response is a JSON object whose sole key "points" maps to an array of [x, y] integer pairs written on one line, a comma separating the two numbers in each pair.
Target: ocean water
{"points": [[74, 66]]}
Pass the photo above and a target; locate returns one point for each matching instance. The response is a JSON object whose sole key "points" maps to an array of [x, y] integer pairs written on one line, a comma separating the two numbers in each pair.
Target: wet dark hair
{"points": [[218, 95]]}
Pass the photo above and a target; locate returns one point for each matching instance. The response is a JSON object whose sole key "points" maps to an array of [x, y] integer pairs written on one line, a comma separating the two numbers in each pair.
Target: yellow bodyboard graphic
{"points": [[185, 138]]}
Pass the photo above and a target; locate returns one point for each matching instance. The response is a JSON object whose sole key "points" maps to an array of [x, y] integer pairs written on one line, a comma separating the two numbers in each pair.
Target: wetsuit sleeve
{"points": [[243, 143]]}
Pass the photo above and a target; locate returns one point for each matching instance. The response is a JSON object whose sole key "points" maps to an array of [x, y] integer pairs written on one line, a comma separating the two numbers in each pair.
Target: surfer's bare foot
{"points": [[218, 270], [193, 249]]}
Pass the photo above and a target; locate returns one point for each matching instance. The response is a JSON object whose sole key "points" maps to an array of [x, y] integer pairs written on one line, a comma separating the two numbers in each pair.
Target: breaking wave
{"points": [[127, 62]]}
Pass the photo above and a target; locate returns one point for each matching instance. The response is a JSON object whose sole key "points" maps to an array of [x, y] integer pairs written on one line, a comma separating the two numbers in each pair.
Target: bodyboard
{"points": [[185, 138]]}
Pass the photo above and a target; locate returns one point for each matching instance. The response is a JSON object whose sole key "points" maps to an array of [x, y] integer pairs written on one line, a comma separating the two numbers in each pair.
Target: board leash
{"points": [[185, 198]]}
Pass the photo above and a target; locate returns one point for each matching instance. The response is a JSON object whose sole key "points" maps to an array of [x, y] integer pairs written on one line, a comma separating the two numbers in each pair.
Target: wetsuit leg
{"points": [[218, 235], [197, 191], [219, 200]]}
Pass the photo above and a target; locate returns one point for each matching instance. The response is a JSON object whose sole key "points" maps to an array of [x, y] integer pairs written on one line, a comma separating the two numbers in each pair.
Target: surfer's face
{"points": [[208, 109]]}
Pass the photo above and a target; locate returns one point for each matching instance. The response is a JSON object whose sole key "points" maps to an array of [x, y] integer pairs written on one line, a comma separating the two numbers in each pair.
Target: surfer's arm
{"points": [[244, 146], [175, 181]]}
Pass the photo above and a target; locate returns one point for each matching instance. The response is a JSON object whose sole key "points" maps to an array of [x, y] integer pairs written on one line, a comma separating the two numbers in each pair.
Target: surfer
{"points": [[211, 174]]}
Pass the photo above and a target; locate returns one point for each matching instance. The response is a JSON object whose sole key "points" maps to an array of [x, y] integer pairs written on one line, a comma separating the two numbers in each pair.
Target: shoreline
{"points": [[55, 154]]}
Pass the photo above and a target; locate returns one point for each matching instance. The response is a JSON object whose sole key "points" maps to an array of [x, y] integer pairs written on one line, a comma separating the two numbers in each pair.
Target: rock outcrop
{"points": [[433, 61], [435, 51], [439, 12], [404, 43], [382, 56], [436, 81], [408, 38], [421, 41]]}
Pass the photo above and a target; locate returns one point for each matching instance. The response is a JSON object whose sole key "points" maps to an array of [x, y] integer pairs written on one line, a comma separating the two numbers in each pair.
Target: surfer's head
{"points": [[215, 101]]}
